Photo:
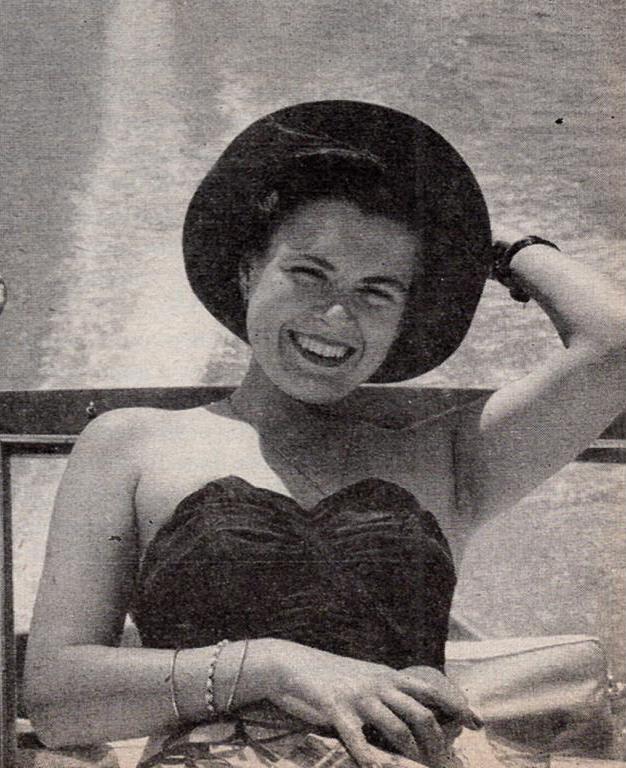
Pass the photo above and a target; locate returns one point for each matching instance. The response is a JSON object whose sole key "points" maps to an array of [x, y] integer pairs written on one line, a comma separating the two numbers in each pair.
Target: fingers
{"points": [[407, 726], [432, 739], [395, 730], [350, 731], [452, 729], [435, 691]]}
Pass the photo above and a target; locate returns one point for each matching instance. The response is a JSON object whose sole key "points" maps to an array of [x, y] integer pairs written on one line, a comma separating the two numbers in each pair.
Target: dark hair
{"points": [[363, 186]]}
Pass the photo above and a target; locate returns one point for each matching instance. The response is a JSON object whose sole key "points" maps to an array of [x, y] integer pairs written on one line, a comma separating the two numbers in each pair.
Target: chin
{"points": [[316, 394], [318, 391], [319, 398], [306, 383]]}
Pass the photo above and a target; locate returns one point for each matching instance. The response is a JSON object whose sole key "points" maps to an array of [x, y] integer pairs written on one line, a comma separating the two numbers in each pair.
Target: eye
{"points": [[377, 297], [307, 275]]}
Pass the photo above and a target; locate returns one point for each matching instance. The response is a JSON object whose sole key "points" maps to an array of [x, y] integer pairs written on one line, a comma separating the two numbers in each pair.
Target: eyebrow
{"points": [[392, 282], [321, 262]]}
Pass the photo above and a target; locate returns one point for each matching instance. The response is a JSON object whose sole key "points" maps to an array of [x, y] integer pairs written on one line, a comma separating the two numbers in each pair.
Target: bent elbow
{"points": [[50, 725], [50, 715], [43, 719], [60, 725], [612, 340]]}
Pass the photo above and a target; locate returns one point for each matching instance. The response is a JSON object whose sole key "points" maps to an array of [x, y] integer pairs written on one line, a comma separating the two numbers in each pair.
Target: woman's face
{"points": [[326, 302]]}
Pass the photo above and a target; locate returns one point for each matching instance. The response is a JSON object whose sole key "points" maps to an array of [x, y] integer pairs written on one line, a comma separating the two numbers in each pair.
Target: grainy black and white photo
{"points": [[312, 384]]}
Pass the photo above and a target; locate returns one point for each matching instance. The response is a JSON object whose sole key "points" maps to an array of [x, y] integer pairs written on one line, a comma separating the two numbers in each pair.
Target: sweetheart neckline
{"points": [[307, 516], [311, 514]]}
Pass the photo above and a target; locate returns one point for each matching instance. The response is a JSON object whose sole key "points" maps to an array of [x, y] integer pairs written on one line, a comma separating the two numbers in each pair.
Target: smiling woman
{"points": [[315, 528], [326, 302]]}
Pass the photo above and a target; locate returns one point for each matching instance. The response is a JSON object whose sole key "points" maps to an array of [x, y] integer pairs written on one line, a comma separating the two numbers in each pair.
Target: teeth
{"points": [[323, 349]]}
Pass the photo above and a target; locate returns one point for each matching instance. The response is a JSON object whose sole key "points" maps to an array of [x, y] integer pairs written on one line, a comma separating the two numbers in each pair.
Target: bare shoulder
{"points": [[109, 446], [152, 442], [124, 437], [128, 448], [126, 428], [119, 430]]}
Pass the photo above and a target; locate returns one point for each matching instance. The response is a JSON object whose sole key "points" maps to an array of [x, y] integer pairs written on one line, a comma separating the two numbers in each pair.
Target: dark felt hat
{"points": [[425, 172]]}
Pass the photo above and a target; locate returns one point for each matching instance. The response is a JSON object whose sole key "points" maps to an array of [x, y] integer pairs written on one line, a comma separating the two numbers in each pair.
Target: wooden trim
{"points": [[14, 445], [68, 411], [48, 444]]}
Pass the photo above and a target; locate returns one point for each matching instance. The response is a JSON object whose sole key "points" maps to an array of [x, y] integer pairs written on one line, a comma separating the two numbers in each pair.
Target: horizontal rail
{"points": [[38, 443], [602, 451], [605, 452], [67, 411]]}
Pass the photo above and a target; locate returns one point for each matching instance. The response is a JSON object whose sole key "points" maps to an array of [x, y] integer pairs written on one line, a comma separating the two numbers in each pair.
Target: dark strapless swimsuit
{"points": [[367, 573]]}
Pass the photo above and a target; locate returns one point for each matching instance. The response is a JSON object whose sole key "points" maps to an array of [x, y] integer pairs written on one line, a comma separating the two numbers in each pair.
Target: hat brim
{"points": [[411, 156]]}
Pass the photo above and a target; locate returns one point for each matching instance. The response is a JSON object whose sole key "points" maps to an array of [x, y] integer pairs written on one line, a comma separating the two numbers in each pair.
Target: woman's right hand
{"points": [[347, 694]]}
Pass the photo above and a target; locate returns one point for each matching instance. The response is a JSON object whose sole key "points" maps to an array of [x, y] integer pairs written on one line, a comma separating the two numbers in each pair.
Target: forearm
{"points": [[530, 428], [87, 694], [585, 307], [134, 695], [242, 676]]}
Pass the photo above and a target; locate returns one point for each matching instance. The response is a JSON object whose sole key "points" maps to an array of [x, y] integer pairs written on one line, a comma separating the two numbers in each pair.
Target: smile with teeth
{"points": [[327, 351]]}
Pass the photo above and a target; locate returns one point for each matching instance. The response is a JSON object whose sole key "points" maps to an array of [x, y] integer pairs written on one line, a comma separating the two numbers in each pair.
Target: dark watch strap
{"points": [[502, 264]]}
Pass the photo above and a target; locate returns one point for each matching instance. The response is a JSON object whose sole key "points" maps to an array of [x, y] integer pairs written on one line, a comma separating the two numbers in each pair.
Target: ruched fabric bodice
{"points": [[367, 573]]}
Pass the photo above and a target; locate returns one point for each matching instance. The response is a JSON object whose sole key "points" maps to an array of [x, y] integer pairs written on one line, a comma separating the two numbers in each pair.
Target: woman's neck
{"points": [[259, 401]]}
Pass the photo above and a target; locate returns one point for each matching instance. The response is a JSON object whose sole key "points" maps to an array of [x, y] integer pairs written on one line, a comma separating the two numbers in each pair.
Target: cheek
{"points": [[384, 327], [269, 304]]}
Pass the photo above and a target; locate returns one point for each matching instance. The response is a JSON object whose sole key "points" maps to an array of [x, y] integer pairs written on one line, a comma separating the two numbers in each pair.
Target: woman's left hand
{"points": [[401, 708], [433, 679]]}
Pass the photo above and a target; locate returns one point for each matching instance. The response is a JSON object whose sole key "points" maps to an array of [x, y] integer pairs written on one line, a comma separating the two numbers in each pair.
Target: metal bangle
{"points": [[233, 691], [173, 684]]}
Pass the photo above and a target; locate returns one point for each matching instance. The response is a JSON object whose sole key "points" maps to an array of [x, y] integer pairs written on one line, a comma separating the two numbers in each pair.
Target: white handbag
{"points": [[541, 696]]}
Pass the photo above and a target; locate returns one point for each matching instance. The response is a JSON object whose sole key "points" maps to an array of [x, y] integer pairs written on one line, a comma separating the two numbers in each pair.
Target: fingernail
{"points": [[477, 722]]}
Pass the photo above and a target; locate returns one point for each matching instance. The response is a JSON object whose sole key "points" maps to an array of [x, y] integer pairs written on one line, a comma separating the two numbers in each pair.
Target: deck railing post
{"points": [[7, 636]]}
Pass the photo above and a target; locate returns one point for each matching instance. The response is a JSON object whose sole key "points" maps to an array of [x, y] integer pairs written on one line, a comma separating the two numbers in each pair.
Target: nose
{"points": [[338, 312]]}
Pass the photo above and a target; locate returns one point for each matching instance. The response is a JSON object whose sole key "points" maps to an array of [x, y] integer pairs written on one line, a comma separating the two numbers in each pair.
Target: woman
{"points": [[347, 243]]}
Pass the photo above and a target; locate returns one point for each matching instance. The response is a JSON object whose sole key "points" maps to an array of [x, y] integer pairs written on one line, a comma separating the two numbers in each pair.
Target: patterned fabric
{"points": [[264, 738], [261, 739]]}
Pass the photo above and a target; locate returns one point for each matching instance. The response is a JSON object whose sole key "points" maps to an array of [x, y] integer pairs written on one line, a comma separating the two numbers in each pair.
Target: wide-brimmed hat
{"points": [[421, 168]]}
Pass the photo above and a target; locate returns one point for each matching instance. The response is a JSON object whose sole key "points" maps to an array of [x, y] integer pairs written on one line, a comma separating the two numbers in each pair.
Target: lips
{"points": [[321, 351]]}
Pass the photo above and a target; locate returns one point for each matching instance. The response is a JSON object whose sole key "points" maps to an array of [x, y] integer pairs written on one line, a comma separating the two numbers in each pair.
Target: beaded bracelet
{"points": [[208, 694], [501, 270]]}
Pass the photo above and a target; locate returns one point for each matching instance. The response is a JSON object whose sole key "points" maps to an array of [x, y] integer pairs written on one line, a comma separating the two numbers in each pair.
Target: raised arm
{"points": [[529, 429]]}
